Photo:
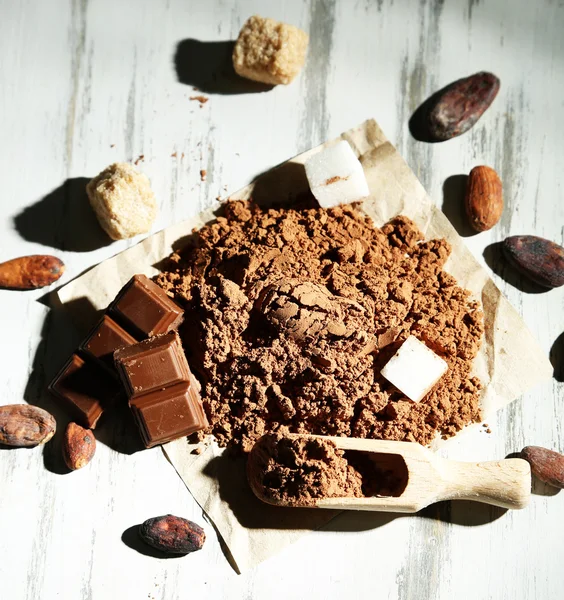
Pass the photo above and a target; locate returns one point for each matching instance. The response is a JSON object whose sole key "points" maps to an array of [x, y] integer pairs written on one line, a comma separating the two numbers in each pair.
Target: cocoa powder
{"points": [[292, 312], [301, 470]]}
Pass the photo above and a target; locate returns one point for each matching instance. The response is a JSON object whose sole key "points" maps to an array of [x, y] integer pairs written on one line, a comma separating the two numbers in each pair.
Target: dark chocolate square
{"points": [[85, 389], [152, 364], [104, 340], [169, 414], [143, 308]]}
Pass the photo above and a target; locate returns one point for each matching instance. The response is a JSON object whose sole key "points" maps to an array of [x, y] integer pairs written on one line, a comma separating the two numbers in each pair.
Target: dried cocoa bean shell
{"points": [[24, 426], [546, 465], [456, 108], [172, 535], [484, 198], [542, 261], [79, 446], [30, 272]]}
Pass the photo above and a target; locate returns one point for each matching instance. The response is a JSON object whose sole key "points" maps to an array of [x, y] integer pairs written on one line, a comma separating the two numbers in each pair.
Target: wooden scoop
{"points": [[427, 478]]}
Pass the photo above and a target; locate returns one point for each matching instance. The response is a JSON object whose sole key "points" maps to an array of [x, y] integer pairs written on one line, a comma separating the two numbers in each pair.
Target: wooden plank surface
{"points": [[84, 83]]}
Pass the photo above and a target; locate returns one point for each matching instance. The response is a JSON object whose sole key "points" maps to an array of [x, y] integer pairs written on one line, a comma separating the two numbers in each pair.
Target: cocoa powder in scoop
{"points": [[292, 312], [302, 470]]}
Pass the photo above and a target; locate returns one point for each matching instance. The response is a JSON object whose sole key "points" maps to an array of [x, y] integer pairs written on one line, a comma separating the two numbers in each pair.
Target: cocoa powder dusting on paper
{"points": [[291, 313]]}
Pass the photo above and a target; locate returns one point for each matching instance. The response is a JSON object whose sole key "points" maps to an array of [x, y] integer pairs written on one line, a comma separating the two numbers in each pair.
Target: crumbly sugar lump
{"points": [[301, 471], [291, 313], [269, 51], [123, 201]]}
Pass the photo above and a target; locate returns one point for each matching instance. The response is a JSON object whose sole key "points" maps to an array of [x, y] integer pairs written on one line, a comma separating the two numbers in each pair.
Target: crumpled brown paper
{"points": [[509, 362]]}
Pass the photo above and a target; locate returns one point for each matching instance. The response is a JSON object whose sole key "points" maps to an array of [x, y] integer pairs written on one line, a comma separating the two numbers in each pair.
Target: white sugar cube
{"points": [[335, 176], [414, 369]]}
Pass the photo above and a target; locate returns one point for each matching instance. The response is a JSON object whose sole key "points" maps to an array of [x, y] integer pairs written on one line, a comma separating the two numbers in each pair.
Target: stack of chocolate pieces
{"points": [[163, 393], [138, 330]]}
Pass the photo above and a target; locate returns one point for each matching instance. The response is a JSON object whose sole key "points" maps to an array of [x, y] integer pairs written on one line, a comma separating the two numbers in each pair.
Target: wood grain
{"points": [[84, 83]]}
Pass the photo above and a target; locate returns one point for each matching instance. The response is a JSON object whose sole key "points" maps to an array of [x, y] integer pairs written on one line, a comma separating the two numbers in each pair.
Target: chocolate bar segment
{"points": [[153, 364], [84, 388], [104, 340], [168, 414], [143, 308]]}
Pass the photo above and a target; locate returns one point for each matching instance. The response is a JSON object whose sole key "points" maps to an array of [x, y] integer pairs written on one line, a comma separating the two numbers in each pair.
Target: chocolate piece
{"points": [[84, 388], [143, 308], [153, 364], [104, 340], [163, 394], [167, 414]]}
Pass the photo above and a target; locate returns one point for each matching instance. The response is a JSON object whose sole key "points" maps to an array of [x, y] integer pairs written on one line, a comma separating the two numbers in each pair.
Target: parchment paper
{"points": [[509, 363]]}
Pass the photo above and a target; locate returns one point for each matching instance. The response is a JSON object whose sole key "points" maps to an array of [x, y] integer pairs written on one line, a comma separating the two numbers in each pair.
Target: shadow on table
{"points": [[454, 190], [130, 537], [59, 339], [459, 512], [557, 358], [285, 185], [208, 67], [493, 255], [63, 219]]}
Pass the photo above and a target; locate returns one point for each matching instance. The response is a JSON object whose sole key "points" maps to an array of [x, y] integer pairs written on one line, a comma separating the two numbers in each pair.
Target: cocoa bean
{"points": [[454, 109], [30, 272], [172, 535], [79, 446], [540, 260], [546, 465], [484, 198], [24, 426]]}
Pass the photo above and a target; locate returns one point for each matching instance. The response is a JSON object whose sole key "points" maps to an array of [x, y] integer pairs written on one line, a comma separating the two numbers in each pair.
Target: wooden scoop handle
{"points": [[505, 483]]}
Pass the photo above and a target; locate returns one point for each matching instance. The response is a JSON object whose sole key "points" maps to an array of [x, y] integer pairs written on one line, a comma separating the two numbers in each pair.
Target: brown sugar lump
{"points": [[123, 201], [269, 51]]}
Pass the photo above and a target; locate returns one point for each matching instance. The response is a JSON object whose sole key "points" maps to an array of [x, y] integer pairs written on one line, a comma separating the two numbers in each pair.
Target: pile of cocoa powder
{"points": [[292, 312]]}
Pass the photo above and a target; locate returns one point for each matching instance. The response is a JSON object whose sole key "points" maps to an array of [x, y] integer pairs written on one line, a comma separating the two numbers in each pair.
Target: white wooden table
{"points": [[84, 83]]}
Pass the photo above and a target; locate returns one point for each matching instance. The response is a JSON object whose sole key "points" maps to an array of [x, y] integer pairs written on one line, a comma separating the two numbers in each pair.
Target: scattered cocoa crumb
{"points": [[174, 155], [334, 179], [488, 430], [182, 155], [288, 319], [140, 158], [203, 174], [201, 99], [112, 145], [197, 450], [484, 425]]}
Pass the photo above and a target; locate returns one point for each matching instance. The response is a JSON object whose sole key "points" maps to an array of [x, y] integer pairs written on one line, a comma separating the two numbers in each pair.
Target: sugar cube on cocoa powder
{"points": [[414, 369], [269, 51], [335, 176]]}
